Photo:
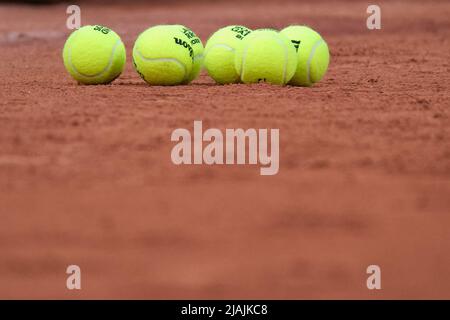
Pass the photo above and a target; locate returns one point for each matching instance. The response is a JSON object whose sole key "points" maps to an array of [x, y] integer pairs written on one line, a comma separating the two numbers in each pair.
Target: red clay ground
{"points": [[86, 176]]}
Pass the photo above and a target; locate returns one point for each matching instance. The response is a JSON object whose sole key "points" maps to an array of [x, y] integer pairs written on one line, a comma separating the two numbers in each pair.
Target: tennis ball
{"points": [[94, 55], [162, 55], [197, 46], [312, 52], [266, 55], [220, 51]]}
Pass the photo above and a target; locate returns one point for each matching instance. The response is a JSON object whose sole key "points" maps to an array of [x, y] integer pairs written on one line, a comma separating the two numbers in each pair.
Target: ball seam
{"points": [[311, 56], [165, 59], [227, 47], [111, 58]]}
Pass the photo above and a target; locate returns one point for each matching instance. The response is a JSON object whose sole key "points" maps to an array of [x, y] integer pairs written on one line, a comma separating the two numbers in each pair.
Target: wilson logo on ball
{"points": [[296, 44], [241, 32], [184, 44], [102, 29]]}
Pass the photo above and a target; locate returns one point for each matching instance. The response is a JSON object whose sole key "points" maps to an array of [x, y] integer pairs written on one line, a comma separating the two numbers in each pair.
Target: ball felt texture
{"points": [[162, 55], [220, 53], [94, 55], [313, 55], [266, 56]]}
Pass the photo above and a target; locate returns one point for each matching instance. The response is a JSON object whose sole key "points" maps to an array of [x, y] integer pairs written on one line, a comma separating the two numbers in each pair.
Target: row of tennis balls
{"points": [[173, 54]]}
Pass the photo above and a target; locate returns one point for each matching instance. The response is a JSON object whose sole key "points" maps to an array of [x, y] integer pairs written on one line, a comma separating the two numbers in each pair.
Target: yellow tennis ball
{"points": [[162, 55], [94, 55], [220, 51], [197, 46], [266, 56], [313, 55]]}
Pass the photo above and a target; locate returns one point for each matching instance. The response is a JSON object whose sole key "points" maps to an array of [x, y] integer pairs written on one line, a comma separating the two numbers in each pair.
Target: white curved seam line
{"points": [[226, 47], [101, 72], [164, 59], [311, 56], [244, 55], [285, 57]]}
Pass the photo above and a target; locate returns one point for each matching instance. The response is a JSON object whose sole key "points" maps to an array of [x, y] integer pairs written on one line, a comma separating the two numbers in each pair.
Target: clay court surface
{"points": [[86, 176]]}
